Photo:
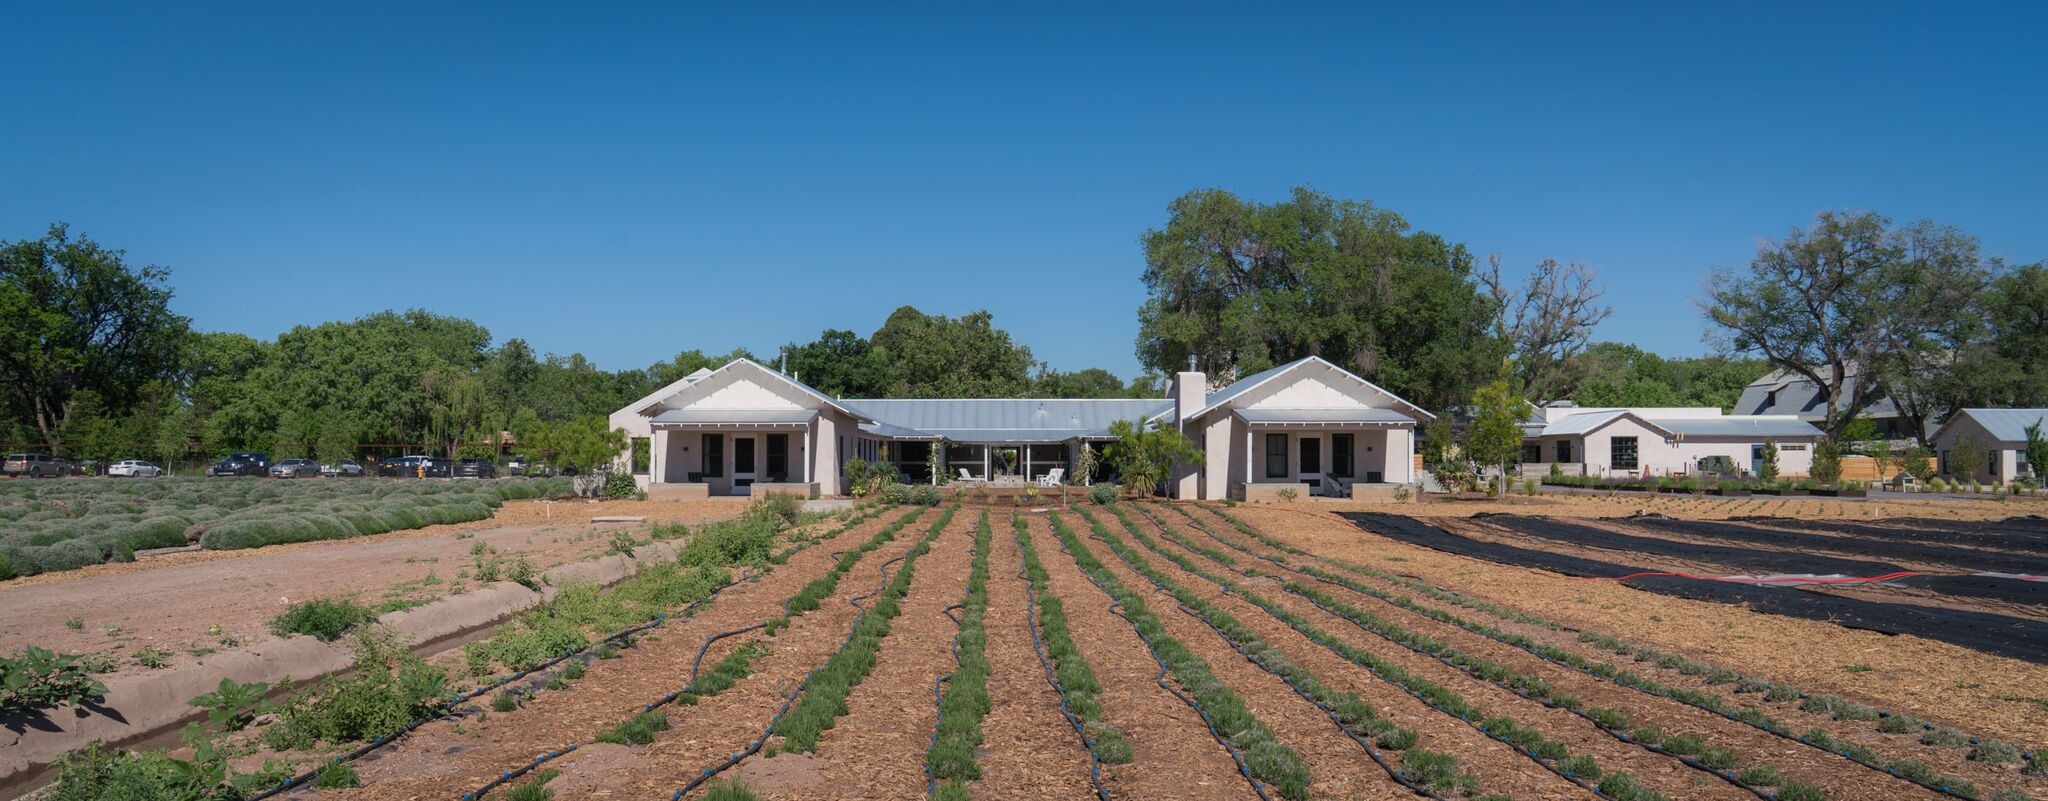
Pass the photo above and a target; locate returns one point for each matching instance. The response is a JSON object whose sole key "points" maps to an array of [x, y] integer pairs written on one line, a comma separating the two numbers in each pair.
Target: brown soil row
{"points": [[451, 757], [725, 724], [1928, 679], [1173, 754], [1029, 751], [1497, 767], [1745, 740], [1337, 766], [877, 749], [1839, 777]]}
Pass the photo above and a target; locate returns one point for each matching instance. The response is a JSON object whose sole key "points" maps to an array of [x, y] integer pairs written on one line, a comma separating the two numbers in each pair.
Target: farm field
{"points": [[1161, 650]]}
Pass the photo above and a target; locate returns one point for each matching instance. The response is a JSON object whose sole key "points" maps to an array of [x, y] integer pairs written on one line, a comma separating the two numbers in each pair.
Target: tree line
{"points": [[96, 363]]}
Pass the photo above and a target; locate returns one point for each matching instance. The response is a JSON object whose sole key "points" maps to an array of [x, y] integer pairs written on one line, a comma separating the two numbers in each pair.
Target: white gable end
{"points": [[1306, 392], [746, 393]]}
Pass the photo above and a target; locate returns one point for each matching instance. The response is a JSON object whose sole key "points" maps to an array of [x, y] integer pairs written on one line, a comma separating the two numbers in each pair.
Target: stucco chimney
{"points": [[1190, 389]]}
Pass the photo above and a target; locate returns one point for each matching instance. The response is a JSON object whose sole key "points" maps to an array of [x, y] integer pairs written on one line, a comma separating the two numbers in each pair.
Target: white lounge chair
{"points": [[968, 475], [1053, 477]]}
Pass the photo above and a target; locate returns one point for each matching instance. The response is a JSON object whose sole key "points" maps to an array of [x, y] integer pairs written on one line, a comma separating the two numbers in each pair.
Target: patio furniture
{"points": [[968, 475], [1337, 487], [1053, 477]]}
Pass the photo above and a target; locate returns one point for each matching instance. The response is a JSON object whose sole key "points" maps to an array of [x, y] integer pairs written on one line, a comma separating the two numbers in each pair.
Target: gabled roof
{"points": [[2007, 425], [1577, 425], [656, 397], [749, 364], [1263, 377]]}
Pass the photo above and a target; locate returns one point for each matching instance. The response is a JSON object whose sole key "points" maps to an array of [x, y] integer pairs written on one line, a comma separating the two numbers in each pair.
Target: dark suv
{"points": [[245, 463], [38, 465], [475, 468]]}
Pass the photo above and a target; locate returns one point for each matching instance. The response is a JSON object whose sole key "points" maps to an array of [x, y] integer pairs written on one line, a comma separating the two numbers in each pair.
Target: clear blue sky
{"points": [[632, 180]]}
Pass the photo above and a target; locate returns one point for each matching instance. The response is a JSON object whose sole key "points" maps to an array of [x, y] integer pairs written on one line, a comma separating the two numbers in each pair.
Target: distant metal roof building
{"points": [[1739, 426], [1004, 419], [2006, 425]]}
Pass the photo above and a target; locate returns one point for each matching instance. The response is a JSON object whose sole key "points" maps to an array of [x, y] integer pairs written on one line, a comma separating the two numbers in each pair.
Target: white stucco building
{"points": [[1660, 441], [2003, 435], [744, 428]]}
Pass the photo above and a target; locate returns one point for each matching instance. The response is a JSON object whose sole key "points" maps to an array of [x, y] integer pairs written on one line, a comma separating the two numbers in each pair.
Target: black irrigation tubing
{"points": [[1051, 677], [754, 746], [696, 666], [1724, 775], [1116, 607], [381, 742], [1848, 755], [1376, 674]]}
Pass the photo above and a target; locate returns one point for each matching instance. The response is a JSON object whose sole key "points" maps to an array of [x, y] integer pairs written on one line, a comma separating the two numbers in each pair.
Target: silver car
{"points": [[295, 468], [134, 468]]}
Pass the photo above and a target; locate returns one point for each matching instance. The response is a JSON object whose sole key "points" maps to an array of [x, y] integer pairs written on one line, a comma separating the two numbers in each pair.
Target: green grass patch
{"points": [[966, 701]]}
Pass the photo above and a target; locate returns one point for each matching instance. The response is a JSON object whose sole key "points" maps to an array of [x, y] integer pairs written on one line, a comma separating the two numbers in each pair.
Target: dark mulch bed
{"points": [[2024, 533], [2002, 635], [1880, 548]]}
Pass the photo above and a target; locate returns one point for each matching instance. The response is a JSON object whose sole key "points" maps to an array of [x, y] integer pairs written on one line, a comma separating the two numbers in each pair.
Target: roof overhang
{"points": [[1365, 417], [735, 418]]}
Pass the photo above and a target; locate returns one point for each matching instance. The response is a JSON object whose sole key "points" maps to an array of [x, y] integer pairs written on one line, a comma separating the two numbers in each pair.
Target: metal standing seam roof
{"points": [[2007, 425], [1351, 416], [1726, 426], [1738, 426], [730, 417], [1003, 419]]}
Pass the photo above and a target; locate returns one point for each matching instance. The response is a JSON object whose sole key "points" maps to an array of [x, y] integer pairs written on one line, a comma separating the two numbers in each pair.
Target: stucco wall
{"points": [[2006, 453]]}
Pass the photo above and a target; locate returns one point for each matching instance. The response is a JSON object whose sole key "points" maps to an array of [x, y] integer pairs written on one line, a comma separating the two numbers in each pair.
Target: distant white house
{"points": [[1659, 441], [2001, 432], [744, 428]]}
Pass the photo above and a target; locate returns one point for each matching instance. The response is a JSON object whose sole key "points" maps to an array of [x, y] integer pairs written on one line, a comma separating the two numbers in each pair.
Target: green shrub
{"points": [[534, 789], [1717, 758], [337, 775], [1944, 737], [1759, 776], [1581, 767], [389, 689], [1685, 744], [639, 730], [1436, 771], [507, 701], [1800, 791], [743, 540], [94, 774], [1608, 718], [325, 619], [1623, 787], [732, 790], [38, 679], [620, 484], [925, 495], [1102, 494], [1995, 752], [1897, 723]]}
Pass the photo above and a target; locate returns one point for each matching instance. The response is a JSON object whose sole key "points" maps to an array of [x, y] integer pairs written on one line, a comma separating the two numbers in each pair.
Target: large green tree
{"points": [[1835, 303], [935, 356], [1617, 374], [76, 318], [1242, 286]]}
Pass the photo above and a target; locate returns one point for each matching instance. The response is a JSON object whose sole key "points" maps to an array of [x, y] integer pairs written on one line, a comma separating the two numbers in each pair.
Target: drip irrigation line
{"points": [[1051, 676], [450, 713], [1116, 607], [1848, 755], [1347, 729], [1727, 776], [754, 746]]}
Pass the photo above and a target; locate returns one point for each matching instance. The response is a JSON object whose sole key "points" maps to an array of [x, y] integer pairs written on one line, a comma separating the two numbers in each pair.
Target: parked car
{"points": [[412, 467], [38, 465], [295, 468], [134, 468], [475, 468], [346, 468], [518, 465], [245, 463]]}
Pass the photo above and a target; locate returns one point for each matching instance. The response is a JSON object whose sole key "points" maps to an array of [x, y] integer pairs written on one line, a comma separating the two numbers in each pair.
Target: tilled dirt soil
{"points": [[213, 600]]}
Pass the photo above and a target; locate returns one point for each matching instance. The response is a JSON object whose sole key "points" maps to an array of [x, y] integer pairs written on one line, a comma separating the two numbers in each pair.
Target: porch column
{"points": [[1248, 454], [1027, 461], [657, 457]]}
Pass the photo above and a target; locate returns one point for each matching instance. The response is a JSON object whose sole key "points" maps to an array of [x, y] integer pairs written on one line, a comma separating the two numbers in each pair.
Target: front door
{"points": [[1311, 465], [742, 463]]}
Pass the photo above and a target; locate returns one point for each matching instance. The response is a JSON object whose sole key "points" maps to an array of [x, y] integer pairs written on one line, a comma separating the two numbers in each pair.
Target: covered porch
{"points": [[1333, 453], [699, 453]]}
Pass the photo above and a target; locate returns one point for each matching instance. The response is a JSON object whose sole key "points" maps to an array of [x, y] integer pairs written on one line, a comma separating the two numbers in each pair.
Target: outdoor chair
{"points": [[968, 475], [1052, 478]]}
